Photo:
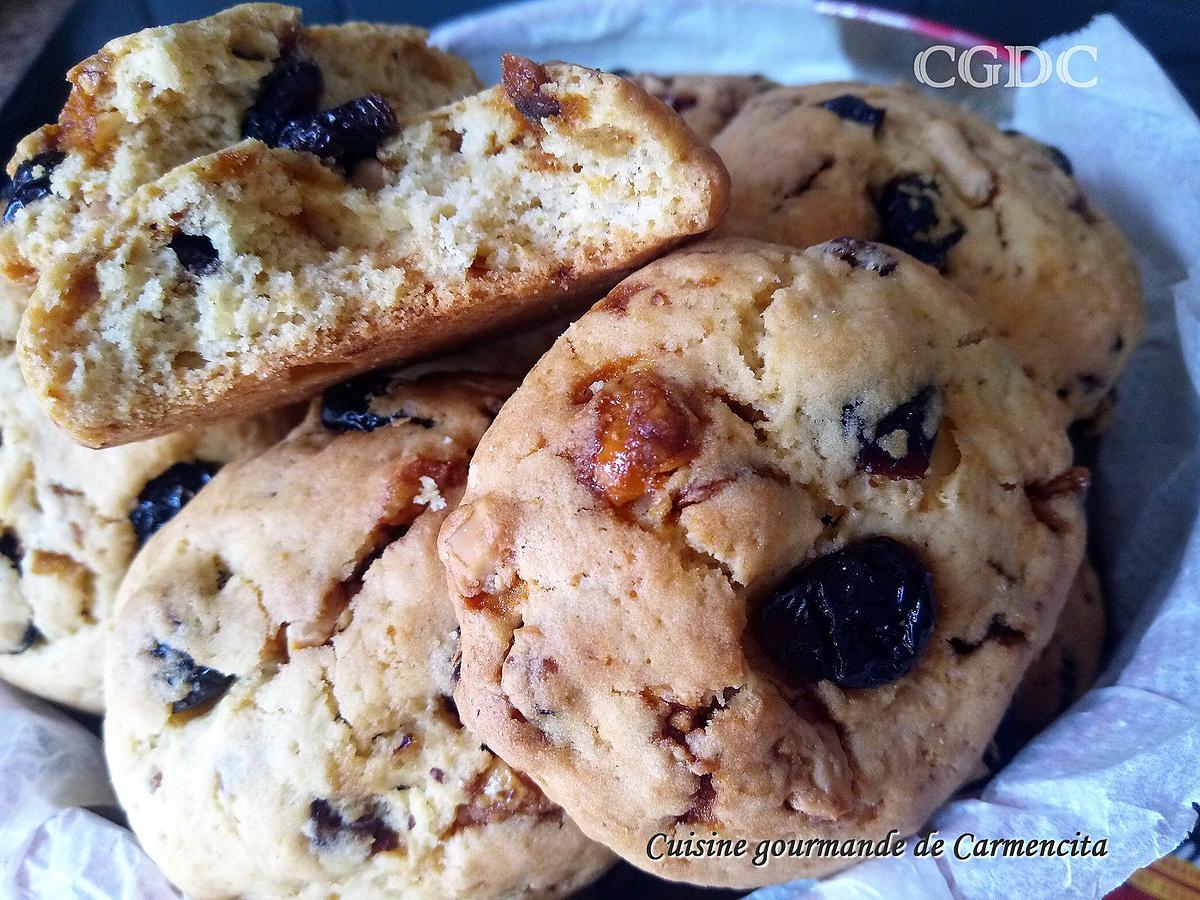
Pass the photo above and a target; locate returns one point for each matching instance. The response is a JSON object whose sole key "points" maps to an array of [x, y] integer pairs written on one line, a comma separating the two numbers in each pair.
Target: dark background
{"points": [[1169, 28]]}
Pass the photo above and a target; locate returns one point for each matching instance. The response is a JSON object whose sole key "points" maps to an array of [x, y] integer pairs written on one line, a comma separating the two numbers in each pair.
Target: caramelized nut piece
{"points": [[472, 544], [644, 430], [499, 793], [973, 180]]}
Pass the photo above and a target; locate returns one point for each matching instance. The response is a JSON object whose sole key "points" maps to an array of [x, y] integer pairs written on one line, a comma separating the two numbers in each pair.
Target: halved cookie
{"points": [[259, 274], [151, 101]]}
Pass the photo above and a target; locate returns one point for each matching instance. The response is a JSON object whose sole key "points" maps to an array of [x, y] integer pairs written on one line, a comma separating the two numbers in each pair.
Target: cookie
{"points": [[71, 520], [154, 100], [280, 713], [999, 214], [259, 274], [705, 102], [1063, 672], [765, 541]]}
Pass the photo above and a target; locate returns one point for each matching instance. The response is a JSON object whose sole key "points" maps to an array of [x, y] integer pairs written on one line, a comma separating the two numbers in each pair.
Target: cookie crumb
{"points": [[430, 495]]}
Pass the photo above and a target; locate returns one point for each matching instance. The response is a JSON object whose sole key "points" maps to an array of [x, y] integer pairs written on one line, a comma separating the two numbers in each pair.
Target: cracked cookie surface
{"points": [[157, 99], [1000, 214], [69, 526], [713, 432], [281, 719]]}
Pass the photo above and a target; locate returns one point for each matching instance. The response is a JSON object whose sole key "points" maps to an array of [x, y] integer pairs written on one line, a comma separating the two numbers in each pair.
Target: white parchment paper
{"points": [[1124, 763]]}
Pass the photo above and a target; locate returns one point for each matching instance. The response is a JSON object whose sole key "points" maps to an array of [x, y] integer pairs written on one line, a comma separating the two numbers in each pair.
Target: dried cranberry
{"points": [[679, 102], [345, 134], [523, 80], [860, 617], [30, 638], [30, 182], [1055, 155], [205, 686], [910, 220], [195, 252], [347, 406], [855, 109], [916, 419], [327, 824], [10, 547], [166, 494], [293, 88], [861, 255]]}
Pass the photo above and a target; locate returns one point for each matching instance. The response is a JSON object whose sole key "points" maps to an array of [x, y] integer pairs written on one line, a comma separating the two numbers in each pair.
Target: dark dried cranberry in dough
{"points": [[859, 617], [30, 638], [911, 219], [293, 88], [1059, 158], [855, 109], [345, 134], [914, 423], [195, 252], [1056, 155], [523, 80], [205, 686], [347, 406], [679, 102], [166, 494], [861, 255], [327, 826], [10, 547], [30, 182]]}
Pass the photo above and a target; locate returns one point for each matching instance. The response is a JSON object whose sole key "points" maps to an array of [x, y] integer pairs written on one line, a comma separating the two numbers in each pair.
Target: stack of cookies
{"points": [[761, 546]]}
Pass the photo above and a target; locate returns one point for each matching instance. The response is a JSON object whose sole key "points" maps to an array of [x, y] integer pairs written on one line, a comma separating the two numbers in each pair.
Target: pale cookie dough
{"points": [[280, 714], [267, 271], [66, 532], [154, 100]]}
